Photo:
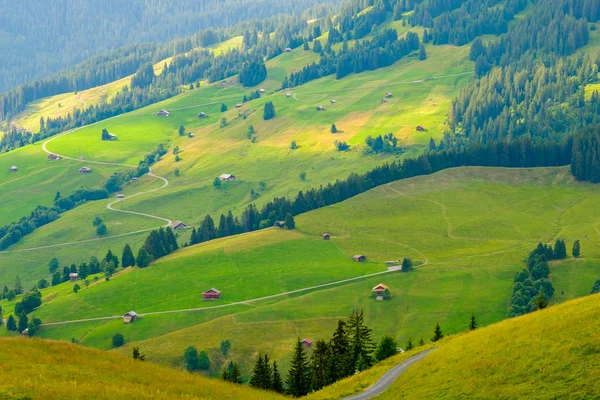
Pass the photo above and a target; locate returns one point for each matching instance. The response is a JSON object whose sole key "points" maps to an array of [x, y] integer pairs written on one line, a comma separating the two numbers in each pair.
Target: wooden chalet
{"points": [[379, 289], [85, 170], [25, 332], [326, 236], [211, 294], [226, 177], [384, 100], [238, 105], [134, 178], [359, 258], [178, 225], [287, 49], [388, 95], [13, 169], [163, 113], [261, 90], [73, 276], [130, 317], [120, 196], [420, 128], [333, 101], [288, 95], [53, 156], [202, 115], [279, 224], [306, 343], [320, 108], [111, 136]]}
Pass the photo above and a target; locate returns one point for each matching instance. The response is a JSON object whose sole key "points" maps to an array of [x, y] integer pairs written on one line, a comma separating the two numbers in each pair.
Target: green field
{"points": [[468, 228]]}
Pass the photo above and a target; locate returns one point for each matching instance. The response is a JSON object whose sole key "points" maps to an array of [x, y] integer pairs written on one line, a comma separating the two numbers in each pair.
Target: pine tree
{"points": [[18, 286], [333, 128], [223, 107], [143, 259], [422, 53], [387, 347], [407, 265], [473, 323], [318, 365], [277, 385], [262, 374], [289, 221], [298, 379], [23, 322], [127, 258], [540, 301], [232, 373], [11, 325], [437, 333], [269, 112], [421, 342], [339, 350], [432, 145], [137, 355], [409, 345], [576, 249], [361, 344]]}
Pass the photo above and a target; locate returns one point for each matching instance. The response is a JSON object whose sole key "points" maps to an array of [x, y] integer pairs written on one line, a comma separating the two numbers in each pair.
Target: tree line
{"points": [[585, 165]]}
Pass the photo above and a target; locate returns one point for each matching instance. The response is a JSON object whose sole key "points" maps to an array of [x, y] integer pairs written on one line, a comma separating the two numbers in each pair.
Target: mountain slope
{"points": [[39, 369], [550, 354]]}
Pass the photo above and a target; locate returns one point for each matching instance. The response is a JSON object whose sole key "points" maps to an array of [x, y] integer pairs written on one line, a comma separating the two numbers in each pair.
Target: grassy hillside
{"points": [[91, 374], [470, 228], [548, 354]]}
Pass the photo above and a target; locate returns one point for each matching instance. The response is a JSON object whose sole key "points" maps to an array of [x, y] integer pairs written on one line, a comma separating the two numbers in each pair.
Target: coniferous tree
{"points": [[232, 373], [23, 322], [422, 53], [407, 265], [421, 342], [409, 345], [437, 333], [262, 374], [190, 356], [277, 382], [289, 221], [318, 365], [298, 379], [143, 259], [540, 301], [387, 347], [560, 250], [361, 344], [223, 107], [203, 361], [333, 128], [18, 286], [11, 325], [337, 364], [269, 112], [576, 249], [127, 259], [472, 323]]}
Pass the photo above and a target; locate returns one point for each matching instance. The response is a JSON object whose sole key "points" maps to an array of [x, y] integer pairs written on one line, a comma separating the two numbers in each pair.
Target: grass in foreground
{"points": [[39, 369]]}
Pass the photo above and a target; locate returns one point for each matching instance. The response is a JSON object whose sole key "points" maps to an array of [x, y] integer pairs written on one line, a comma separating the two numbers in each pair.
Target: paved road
{"points": [[388, 378]]}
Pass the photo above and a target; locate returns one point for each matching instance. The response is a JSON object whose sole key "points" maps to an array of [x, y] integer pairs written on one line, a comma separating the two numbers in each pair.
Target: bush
{"points": [[118, 340]]}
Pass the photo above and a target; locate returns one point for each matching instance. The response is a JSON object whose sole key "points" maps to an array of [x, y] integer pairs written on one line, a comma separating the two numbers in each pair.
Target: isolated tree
{"points": [[289, 221], [23, 322], [560, 250], [422, 53], [53, 265], [302, 176], [293, 145], [225, 344], [576, 249], [11, 325], [473, 323], [421, 342], [76, 288], [127, 259], [298, 379], [407, 265], [223, 107], [333, 128], [137, 355], [437, 333], [387, 347], [318, 365], [217, 183], [181, 130], [269, 112], [409, 345], [190, 356], [223, 123], [118, 340], [277, 383]]}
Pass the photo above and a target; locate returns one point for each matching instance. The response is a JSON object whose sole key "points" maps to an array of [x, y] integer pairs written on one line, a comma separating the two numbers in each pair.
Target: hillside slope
{"points": [[90, 374], [550, 354]]}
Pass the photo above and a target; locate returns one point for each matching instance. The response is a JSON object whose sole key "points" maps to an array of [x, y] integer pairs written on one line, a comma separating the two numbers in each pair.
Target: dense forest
{"points": [[38, 38]]}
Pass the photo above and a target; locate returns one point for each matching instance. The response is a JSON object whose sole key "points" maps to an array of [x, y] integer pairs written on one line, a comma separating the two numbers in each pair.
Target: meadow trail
{"points": [[237, 303], [388, 378]]}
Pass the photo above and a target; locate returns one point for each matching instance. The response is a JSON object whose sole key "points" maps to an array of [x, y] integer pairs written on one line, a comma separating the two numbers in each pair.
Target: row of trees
{"points": [[585, 165], [532, 288]]}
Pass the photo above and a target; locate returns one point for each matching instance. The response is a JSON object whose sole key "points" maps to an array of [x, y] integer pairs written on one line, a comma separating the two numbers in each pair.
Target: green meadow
{"points": [[468, 230]]}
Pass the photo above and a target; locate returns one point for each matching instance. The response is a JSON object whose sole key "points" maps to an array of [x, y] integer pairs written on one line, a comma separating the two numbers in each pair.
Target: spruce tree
{"points": [[540, 301], [407, 265], [11, 325], [289, 221], [318, 365], [387, 347], [437, 333], [422, 53], [473, 323], [142, 260], [421, 342], [333, 128], [18, 286], [234, 374], [203, 361], [339, 350], [298, 379], [576, 249], [409, 345], [261, 374], [23, 322], [269, 112], [127, 258], [361, 344], [277, 383]]}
